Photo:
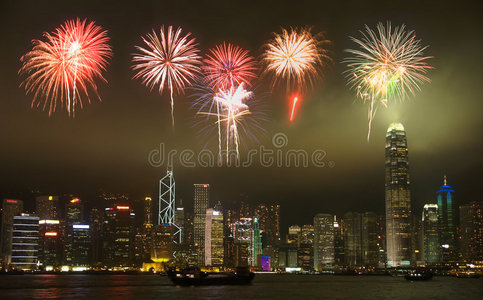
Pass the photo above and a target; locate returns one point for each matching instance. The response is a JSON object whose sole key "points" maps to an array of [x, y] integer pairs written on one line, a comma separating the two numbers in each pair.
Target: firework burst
{"points": [[296, 56], [170, 61], [234, 113], [227, 65], [63, 68], [388, 65]]}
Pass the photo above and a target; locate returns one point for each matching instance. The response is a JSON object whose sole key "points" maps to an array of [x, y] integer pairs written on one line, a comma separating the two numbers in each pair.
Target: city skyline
{"points": [[95, 156]]}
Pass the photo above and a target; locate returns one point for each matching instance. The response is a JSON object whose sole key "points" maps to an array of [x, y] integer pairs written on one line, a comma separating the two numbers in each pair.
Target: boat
{"points": [[419, 275], [193, 276]]}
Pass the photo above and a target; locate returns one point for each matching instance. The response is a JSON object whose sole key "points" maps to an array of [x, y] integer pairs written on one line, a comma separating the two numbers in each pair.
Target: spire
{"points": [[444, 180]]}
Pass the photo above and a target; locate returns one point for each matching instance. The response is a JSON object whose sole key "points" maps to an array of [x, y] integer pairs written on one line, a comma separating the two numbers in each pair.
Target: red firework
{"points": [[63, 68], [227, 66]]}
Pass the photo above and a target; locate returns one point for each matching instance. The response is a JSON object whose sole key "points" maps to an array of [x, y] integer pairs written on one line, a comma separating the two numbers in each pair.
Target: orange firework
{"points": [[63, 68]]}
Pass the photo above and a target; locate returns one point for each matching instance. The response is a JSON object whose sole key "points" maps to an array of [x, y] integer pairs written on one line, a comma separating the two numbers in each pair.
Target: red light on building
{"points": [[205, 185], [12, 201], [196, 244], [122, 207], [75, 200], [51, 233]]}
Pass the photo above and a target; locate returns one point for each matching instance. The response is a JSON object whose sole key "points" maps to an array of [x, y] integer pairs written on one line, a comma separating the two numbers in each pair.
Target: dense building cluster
{"points": [[125, 234]]}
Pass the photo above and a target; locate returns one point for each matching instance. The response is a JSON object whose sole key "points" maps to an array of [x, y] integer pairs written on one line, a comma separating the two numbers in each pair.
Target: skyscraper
{"points": [[148, 212], [179, 219], [294, 235], [74, 214], [369, 239], [46, 207], [430, 234], [398, 199], [323, 241], [269, 217], [201, 202], [167, 204], [10, 208], [118, 232], [214, 237], [50, 244], [257, 241], [352, 239], [447, 222], [471, 225], [25, 242]]}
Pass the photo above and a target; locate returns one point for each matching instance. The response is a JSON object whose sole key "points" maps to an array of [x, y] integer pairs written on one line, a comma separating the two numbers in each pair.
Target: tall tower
{"points": [[167, 204], [398, 199], [447, 221], [324, 256], [431, 244], [201, 201]]}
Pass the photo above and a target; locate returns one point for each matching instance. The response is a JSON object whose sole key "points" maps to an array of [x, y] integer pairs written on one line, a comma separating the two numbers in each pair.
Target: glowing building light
{"points": [[80, 226], [51, 198], [122, 207], [75, 200], [12, 201], [65, 269], [79, 269], [51, 233], [50, 222]]}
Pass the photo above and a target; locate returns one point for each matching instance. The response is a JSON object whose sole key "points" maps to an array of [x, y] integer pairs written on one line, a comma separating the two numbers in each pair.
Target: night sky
{"points": [[107, 144]]}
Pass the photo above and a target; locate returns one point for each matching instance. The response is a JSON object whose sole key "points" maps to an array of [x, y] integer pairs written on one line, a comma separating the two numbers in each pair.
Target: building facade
{"points": [[398, 198], [201, 203], [324, 256]]}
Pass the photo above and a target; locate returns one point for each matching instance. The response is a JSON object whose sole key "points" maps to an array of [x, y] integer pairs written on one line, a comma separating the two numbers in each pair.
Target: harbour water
{"points": [[266, 286]]}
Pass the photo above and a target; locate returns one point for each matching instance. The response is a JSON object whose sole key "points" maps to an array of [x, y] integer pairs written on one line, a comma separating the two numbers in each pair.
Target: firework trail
{"points": [[170, 61], [388, 65], [63, 68], [235, 113], [227, 65], [296, 56]]}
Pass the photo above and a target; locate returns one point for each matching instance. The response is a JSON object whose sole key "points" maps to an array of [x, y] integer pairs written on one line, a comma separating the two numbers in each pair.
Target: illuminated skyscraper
{"points": [[74, 213], [167, 204], [118, 232], [352, 239], [179, 219], [50, 244], [471, 225], [257, 241], [447, 222], [269, 217], [201, 202], [25, 242], [214, 237], [430, 234], [323, 241], [244, 237], [46, 207], [163, 247], [294, 235], [10, 208], [398, 199], [148, 212]]}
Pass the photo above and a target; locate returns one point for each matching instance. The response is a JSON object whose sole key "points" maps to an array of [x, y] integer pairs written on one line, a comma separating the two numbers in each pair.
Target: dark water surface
{"points": [[264, 287]]}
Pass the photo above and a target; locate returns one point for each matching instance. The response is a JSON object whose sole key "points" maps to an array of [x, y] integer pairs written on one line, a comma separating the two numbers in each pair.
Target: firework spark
{"points": [[296, 56], [170, 61], [63, 68], [235, 113], [295, 100], [227, 65], [388, 65]]}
